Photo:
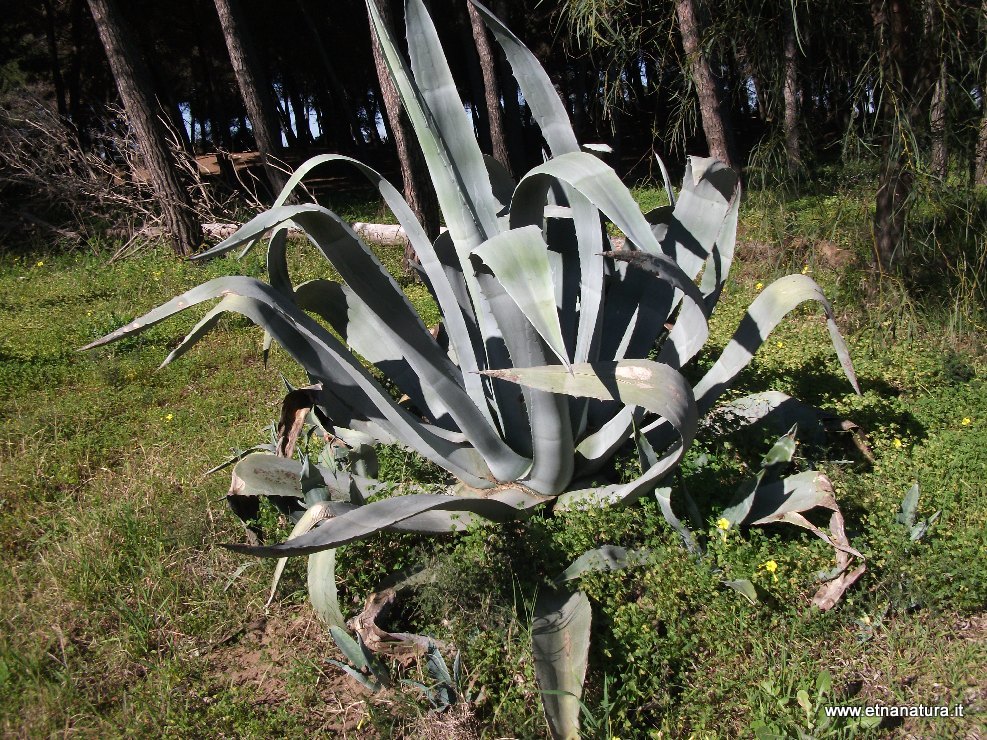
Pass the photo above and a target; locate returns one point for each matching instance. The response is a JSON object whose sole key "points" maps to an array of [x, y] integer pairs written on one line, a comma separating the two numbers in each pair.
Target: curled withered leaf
{"points": [[294, 409], [404, 647]]}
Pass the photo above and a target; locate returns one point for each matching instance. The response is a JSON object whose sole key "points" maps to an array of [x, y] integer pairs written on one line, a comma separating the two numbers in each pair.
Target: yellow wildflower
{"points": [[897, 443], [169, 417], [41, 263], [780, 344], [805, 270], [759, 286], [771, 567], [723, 523], [967, 421]]}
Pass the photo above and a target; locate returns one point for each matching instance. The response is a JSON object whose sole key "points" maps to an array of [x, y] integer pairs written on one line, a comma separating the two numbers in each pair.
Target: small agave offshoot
{"points": [[534, 380]]}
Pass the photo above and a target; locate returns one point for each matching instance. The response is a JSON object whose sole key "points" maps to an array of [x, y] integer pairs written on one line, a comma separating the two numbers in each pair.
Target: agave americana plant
{"points": [[534, 379]]}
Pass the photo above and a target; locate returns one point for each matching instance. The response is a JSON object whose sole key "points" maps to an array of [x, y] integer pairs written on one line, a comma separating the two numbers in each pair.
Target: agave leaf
{"points": [[598, 447], [589, 235], [782, 451], [720, 260], [269, 475], [657, 388], [669, 191], [277, 260], [322, 587], [397, 319], [439, 283], [469, 222], [518, 258], [297, 406], [909, 506], [794, 494], [536, 87], [550, 428], [460, 213], [663, 495], [709, 188], [560, 645], [323, 357], [205, 325], [745, 588], [312, 516], [593, 179], [361, 678], [608, 557], [438, 88], [359, 327], [239, 455], [764, 314], [775, 409], [366, 520], [785, 501], [350, 648], [691, 328]]}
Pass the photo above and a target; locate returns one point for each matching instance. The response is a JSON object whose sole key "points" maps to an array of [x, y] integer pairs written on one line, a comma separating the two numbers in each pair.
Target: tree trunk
{"points": [[414, 173], [792, 148], [133, 84], [513, 127], [491, 89], [56, 67], [256, 93], [718, 136], [937, 125], [894, 185], [904, 57], [980, 166], [477, 89]]}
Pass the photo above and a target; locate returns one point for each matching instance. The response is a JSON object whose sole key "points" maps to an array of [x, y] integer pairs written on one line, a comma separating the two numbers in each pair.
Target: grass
{"points": [[121, 615]]}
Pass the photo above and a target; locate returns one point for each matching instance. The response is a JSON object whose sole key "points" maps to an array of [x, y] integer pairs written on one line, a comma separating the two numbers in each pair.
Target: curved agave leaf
{"points": [[560, 633], [764, 314], [434, 80], [669, 191], [650, 385], [607, 557], [312, 516], [776, 409], [550, 429], [324, 358], [691, 328], [721, 257], [469, 222], [596, 181], [709, 188], [442, 288], [785, 501], [396, 318], [519, 260], [460, 213], [322, 588], [536, 86], [366, 520], [599, 184], [359, 327], [654, 387]]}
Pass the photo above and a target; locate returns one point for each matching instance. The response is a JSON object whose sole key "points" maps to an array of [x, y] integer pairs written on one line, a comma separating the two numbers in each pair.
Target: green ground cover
{"points": [[121, 615]]}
